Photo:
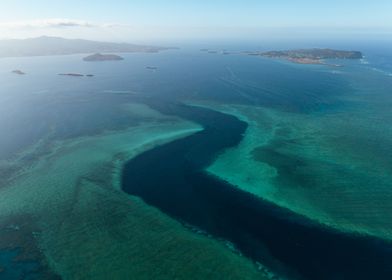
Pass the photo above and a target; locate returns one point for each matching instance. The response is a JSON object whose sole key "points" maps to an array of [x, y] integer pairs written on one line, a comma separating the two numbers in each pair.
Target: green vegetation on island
{"points": [[103, 57], [311, 56]]}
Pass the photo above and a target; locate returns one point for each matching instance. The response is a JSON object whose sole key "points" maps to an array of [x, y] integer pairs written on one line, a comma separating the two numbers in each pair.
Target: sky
{"points": [[144, 20]]}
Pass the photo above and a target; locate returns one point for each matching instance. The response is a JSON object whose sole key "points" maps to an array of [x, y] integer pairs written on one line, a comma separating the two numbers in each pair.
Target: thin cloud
{"points": [[47, 23]]}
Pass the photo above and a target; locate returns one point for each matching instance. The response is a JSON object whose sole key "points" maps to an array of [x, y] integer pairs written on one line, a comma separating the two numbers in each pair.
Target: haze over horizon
{"points": [[153, 20]]}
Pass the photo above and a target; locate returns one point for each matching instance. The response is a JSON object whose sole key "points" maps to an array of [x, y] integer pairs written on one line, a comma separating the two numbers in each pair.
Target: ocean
{"points": [[186, 163]]}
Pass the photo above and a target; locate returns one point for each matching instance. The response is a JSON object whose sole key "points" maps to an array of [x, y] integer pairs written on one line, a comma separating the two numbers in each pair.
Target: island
{"points": [[19, 72], [71, 74], [46, 46], [311, 56], [103, 57], [154, 68]]}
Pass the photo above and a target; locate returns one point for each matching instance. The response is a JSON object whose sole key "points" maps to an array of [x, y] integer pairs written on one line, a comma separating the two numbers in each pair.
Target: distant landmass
{"points": [[315, 54], [76, 75], [71, 74], [19, 72], [311, 56], [44, 46], [102, 57]]}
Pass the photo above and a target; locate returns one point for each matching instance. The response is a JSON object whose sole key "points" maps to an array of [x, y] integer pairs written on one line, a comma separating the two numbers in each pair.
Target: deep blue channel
{"points": [[171, 177]]}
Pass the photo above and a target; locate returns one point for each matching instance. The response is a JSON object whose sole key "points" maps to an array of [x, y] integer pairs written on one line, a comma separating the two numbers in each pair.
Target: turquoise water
{"points": [[318, 141]]}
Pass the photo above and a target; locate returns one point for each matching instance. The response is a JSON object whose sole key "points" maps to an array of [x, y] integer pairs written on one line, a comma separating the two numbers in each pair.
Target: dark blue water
{"points": [[171, 177], [13, 269]]}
